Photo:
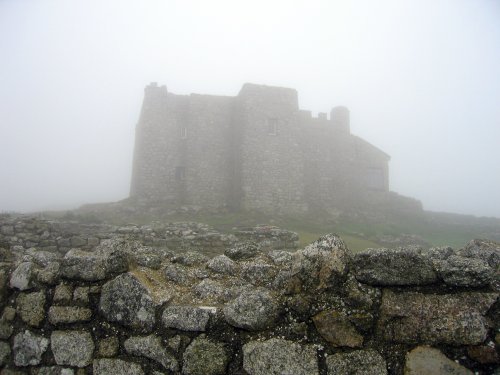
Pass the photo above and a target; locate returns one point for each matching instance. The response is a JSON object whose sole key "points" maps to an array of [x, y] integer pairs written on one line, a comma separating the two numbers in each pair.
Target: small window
{"points": [[272, 126], [184, 133], [180, 173]]}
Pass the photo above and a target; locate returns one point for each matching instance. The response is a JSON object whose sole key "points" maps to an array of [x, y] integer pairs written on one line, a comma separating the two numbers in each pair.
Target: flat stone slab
{"points": [[454, 319], [278, 357], [426, 360]]}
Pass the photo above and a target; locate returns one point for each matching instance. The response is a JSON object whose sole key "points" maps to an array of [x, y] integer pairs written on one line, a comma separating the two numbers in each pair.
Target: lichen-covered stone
{"points": [[72, 348], [222, 264], [81, 294], [22, 277], [126, 301], [212, 290], [205, 357], [454, 319], [278, 357], [401, 266], [106, 366], [4, 353], [336, 328], [30, 307], [357, 362], [466, 272], [63, 293], [93, 266], [322, 264], [186, 318], [28, 348], [151, 347], [49, 274], [178, 274], [426, 360], [485, 250], [69, 314], [53, 370], [258, 273], [108, 346], [242, 250], [252, 310], [191, 258]]}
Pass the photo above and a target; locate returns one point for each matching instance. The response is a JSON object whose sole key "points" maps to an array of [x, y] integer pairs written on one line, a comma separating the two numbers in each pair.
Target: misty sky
{"points": [[421, 78]]}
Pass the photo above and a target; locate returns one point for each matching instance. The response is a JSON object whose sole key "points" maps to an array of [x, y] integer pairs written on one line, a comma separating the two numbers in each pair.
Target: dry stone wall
{"points": [[128, 308]]}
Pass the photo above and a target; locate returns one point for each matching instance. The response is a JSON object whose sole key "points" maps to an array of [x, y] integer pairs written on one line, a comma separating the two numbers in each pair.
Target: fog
{"points": [[421, 79]]}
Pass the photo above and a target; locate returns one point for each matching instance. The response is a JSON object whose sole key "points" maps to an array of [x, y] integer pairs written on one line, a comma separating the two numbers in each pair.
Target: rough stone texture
{"points": [[242, 250], [279, 357], [322, 264], [22, 277], [69, 314], [336, 328], [186, 318], [358, 362], [81, 294], [485, 250], [107, 366], [28, 348], [426, 360], [484, 354], [462, 271], [205, 357], [108, 347], [4, 353], [126, 301], [252, 310], [401, 266], [30, 306], [97, 265], [72, 348], [222, 264], [151, 347], [455, 319], [177, 273], [63, 293], [212, 290], [53, 370]]}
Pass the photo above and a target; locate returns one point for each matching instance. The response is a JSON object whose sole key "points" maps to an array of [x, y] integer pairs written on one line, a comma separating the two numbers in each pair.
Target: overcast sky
{"points": [[421, 78]]}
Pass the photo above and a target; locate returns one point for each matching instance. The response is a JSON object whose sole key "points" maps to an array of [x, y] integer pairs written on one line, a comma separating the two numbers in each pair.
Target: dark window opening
{"points": [[272, 126], [184, 133]]}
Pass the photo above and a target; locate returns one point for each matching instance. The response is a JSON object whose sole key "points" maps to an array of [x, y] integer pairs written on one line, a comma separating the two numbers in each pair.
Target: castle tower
{"points": [[340, 118]]}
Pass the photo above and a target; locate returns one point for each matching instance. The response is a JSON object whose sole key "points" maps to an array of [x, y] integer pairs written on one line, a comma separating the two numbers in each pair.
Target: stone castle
{"points": [[255, 151]]}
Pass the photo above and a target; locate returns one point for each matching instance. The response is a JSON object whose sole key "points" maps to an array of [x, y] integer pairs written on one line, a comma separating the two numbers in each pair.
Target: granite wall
{"points": [[127, 308]]}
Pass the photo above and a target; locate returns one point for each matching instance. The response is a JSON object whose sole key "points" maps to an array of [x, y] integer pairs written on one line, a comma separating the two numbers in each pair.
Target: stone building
{"points": [[255, 151]]}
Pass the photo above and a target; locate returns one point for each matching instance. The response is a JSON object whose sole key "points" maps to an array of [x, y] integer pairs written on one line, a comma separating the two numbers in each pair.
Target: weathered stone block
{"points": [[28, 348], [126, 301], [205, 357], [401, 266], [362, 362], [454, 319], [186, 318], [30, 307], [68, 314], [151, 347], [426, 360], [107, 366], [336, 328], [252, 310], [72, 348], [277, 357]]}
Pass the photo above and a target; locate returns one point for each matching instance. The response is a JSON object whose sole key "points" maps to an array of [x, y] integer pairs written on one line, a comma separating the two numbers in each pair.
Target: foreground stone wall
{"points": [[127, 308]]}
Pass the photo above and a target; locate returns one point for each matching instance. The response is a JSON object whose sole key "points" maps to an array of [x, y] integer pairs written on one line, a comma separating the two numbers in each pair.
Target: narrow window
{"points": [[180, 173], [272, 126], [184, 133]]}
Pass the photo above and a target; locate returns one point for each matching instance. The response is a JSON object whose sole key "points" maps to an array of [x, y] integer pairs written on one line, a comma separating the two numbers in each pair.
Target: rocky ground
{"points": [[119, 305]]}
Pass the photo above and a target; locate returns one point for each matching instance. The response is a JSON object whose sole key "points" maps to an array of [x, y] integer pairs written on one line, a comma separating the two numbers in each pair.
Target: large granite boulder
{"points": [[205, 357], [401, 266], [416, 318], [186, 318], [126, 301], [72, 348]]}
